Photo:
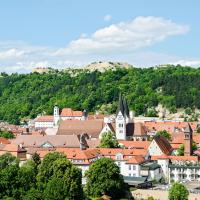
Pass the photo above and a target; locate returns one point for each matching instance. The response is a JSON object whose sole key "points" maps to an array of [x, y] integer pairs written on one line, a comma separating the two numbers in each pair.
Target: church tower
{"points": [[188, 140], [56, 115], [122, 118]]}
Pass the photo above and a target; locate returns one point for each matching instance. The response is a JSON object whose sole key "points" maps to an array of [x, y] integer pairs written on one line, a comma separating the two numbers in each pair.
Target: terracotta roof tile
{"points": [[68, 112], [136, 160], [4, 141], [44, 118], [135, 144]]}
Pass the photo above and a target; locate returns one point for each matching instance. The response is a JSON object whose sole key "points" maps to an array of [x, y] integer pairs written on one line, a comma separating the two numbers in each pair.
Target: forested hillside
{"points": [[25, 96]]}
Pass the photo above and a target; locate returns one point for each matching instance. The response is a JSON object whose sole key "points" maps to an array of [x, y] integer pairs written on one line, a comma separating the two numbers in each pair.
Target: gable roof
{"points": [[68, 112], [55, 140], [44, 118], [78, 127], [163, 144]]}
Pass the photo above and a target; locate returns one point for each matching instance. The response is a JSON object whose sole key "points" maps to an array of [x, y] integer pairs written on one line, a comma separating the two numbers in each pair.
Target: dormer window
{"points": [[119, 156]]}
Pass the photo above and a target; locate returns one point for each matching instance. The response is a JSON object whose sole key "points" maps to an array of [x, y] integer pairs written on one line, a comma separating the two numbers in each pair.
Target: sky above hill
{"points": [[61, 33]]}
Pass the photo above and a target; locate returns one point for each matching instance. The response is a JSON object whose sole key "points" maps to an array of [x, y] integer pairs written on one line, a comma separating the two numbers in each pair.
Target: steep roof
{"points": [[135, 129], [120, 105], [163, 144]]}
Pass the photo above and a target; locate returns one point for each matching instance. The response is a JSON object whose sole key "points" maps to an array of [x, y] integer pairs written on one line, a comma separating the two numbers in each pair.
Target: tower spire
{"points": [[188, 140]]}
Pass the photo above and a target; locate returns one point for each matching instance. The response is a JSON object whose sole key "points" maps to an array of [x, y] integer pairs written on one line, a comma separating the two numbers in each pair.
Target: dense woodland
{"points": [[27, 95]]}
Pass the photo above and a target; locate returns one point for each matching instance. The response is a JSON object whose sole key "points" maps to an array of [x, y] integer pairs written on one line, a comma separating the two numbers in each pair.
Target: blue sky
{"points": [[61, 33]]}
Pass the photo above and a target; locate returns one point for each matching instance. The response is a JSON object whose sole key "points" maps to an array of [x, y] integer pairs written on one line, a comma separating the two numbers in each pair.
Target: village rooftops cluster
{"points": [[141, 154]]}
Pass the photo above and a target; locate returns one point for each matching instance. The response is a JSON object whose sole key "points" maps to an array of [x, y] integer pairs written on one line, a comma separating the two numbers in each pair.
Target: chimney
{"points": [[188, 140], [83, 142]]}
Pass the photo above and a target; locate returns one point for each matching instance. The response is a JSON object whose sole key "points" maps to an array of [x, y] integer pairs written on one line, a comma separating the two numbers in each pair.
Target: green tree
{"points": [[178, 192], [6, 134], [9, 168], [33, 194], [198, 130], [59, 179], [164, 133], [150, 198], [180, 151], [103, 177], [109, 141]]}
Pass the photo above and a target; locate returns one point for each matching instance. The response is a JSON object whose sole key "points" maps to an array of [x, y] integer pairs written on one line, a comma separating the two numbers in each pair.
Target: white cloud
{"points": [[125, 36], [11, 54], [189, 62], [125, 41], [107, 18]]}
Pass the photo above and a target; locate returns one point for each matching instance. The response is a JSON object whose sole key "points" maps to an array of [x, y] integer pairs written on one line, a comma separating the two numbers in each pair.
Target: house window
{"points": [[129, 167], [120, 125], [134, 167], [134, 174], [121, 131]]}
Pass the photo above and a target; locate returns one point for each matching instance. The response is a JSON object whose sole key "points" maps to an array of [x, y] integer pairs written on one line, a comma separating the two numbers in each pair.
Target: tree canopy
{"points": [[103, 177], [56, 178], [178, 192], [165, 134], [108, 140], [181, 149], [6, 134], [25, 96]]}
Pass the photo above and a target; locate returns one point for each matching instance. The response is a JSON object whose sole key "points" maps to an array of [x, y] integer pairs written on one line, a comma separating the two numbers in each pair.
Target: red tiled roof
{"points": [[136, 160], [168, 126], [68, 112], [44, 118], [4, 141], [179, 138], [135, 144], [178, 158], [88, 155]]}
